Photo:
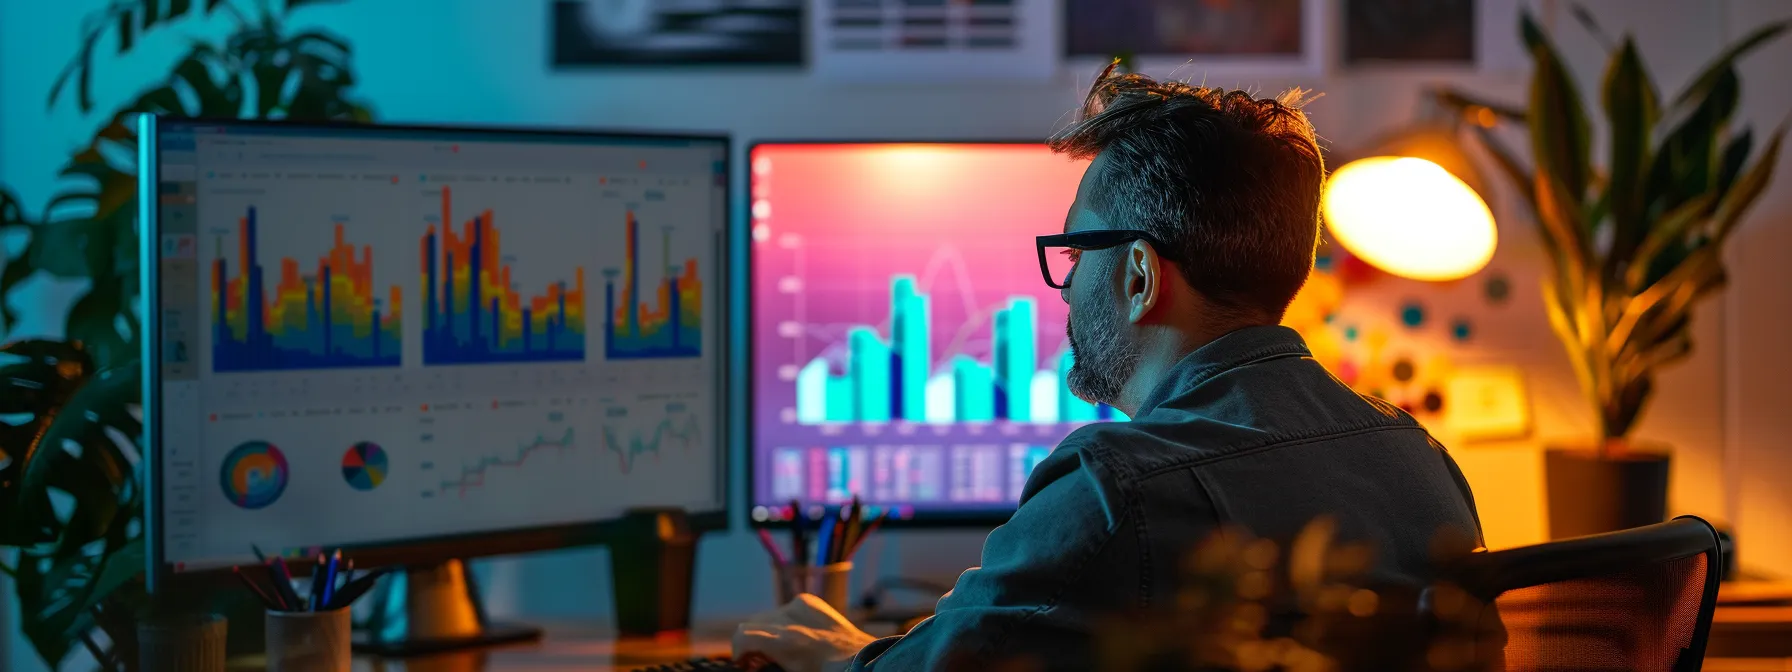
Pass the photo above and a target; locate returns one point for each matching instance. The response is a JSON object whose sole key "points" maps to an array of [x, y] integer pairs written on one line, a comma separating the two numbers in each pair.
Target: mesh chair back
{"points": [[1639, 599]]}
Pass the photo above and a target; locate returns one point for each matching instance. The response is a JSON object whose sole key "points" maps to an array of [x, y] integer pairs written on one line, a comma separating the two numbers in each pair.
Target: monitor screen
{"points": [[376, 337], [905, 347]]}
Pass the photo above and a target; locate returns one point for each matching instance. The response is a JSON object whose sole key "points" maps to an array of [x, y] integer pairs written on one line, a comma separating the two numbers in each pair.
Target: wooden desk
{"points": [[568, 647], [588, 647]]}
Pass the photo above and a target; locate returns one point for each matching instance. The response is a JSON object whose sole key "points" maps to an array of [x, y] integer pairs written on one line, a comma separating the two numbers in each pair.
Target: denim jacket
{"points": [[1248, 431]]}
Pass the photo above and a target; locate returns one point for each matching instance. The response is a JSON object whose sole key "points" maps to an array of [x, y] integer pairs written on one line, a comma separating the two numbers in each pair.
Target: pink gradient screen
{"points": [[832, 225]]}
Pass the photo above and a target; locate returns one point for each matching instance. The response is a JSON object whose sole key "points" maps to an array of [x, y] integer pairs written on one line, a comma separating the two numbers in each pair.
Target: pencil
{"points": [[863, 535], [824, 541], [266, 601], [837, 541], [283, 584], [799, 542], [854, 522], [771, 546]]}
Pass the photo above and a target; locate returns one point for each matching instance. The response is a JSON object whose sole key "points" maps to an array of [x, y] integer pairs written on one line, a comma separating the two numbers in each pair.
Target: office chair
{"points": [[1639, 599]]}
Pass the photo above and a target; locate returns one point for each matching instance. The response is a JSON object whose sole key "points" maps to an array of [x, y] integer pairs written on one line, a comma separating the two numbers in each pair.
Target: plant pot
{"points": [[1591, 493]]}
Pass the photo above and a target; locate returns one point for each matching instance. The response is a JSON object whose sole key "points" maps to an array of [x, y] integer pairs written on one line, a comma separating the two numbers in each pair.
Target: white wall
{"points": [[1758, 380], [486, 62]]}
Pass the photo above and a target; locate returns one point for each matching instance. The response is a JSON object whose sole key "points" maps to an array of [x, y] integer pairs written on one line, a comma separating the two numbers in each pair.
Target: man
{"points": [[1192, 230]]}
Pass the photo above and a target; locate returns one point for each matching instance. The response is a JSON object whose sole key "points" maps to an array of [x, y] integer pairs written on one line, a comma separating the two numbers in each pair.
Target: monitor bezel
{"points": [[423, 549], [933, 520]]}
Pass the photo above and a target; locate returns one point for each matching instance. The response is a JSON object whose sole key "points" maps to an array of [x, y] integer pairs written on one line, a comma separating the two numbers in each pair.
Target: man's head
{"points": [[1229, 185]]}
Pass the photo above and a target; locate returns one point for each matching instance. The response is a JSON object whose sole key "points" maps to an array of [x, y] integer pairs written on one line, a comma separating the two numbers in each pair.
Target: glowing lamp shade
{"points": [[1409, 217]]}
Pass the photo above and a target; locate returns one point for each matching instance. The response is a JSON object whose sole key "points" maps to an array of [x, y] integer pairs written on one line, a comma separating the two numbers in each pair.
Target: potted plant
{"points": [[71, 506], [1633, 247]]}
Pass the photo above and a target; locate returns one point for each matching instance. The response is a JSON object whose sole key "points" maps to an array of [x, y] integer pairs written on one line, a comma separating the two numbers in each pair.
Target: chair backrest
{"points": [[1639, 599]]}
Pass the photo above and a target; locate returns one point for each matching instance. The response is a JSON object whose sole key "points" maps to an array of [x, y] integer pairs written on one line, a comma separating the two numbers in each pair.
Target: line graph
{"points": [[472, 476], [630, 445]]}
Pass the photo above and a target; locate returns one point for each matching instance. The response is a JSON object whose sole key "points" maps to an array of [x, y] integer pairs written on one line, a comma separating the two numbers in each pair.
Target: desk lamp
{"points": [[1412, 204]]}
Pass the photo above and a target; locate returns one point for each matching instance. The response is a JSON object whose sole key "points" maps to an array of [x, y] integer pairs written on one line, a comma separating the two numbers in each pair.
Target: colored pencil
{"points": [[866, 533], [771, 547], [266, 600], [824, 540], [855, 521], [799, 540], [283, 584]]}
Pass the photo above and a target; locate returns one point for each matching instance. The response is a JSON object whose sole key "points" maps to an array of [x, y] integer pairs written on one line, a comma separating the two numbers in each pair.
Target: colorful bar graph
{"points": [[327, 319], [474, 313], [673, 326], [911, 333], [1015, 330], [895, 379]]}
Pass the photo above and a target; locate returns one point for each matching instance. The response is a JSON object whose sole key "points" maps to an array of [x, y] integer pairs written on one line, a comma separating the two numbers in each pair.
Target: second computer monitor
{"points": [[906, 348]]}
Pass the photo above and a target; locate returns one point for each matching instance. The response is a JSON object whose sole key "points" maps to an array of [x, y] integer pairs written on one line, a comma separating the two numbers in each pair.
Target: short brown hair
{"points": [[1229, 181]]}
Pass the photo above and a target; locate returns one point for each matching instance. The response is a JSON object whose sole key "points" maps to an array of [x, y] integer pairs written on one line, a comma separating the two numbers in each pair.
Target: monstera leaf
{"points": [[1633, 246], [69, 411], [68, 489]]}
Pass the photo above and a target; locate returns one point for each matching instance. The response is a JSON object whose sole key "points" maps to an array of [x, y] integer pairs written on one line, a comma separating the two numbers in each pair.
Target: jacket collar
{"points": [[1235, 349]]}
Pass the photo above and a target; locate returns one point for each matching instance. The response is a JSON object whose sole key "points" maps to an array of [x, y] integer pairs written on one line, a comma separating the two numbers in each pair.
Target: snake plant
{"points": [[1635, 237]]}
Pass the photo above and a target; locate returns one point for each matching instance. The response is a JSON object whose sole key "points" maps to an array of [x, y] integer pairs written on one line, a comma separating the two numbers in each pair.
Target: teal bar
{"points": [[1016, 330], [812, 392], [976, 401], [911, 331], [869, 371], [942, 399], [839, 399]]}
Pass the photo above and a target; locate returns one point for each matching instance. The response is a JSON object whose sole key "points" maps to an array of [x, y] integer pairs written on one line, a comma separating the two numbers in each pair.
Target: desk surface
{"points": [[589, 647], [567, 647]]}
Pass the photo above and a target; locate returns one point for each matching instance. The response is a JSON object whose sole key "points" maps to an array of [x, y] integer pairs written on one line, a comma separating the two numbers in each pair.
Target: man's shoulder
{"points": [[1094, 462], [1123, 452]]}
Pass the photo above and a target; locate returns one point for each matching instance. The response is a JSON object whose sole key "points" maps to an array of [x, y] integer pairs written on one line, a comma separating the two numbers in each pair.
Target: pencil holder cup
{"points": [[309, 641], [828, 582], [184, 644]]}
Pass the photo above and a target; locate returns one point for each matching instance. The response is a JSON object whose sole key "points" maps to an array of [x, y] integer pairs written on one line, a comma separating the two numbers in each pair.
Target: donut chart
{"points": [[364, 466], [254, 475]]}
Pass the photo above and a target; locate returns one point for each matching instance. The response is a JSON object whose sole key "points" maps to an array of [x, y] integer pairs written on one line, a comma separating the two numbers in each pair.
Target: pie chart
{"points": [[364, 466], [254, 474]]}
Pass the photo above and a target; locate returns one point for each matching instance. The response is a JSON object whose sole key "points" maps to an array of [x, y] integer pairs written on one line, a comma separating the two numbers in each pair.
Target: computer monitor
{"points": [[423, 344], [905, 346]]}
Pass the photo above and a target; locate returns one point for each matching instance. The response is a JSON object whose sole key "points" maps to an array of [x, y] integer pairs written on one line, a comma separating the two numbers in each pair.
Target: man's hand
{"points": [[806, 635]]}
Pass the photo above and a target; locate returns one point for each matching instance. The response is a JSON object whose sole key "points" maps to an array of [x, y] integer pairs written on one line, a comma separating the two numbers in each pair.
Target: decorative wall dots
{"points": [[1387, 341], [1403, 370], [1497, 289], [1461, 329], [1412, 314], [1434, 402]]}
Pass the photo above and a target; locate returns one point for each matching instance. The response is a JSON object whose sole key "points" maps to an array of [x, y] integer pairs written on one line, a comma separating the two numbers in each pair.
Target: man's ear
{"points": [[1144, 280]]}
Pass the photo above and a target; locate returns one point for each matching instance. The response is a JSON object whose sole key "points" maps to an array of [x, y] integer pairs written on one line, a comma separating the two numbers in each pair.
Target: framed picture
{"points": [[677, 32], [1199, 37], [1428, 32], [934, 40]]}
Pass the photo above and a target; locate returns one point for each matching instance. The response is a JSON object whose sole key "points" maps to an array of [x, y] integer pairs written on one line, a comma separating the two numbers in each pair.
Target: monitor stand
{"points": [[433, 608]]}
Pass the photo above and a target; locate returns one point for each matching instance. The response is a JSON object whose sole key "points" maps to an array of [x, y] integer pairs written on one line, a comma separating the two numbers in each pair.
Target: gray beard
{"points": [[1104, 361]]}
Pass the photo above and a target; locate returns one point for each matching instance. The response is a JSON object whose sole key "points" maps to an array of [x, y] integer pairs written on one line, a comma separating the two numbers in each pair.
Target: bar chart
{"points": [[669, 327], [474, 312], [894, 377], [904, 346], [329, 317]]}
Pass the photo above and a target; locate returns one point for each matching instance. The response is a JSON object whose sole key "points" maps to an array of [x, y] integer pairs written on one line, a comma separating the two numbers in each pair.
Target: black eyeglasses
{"points": [[1058, 253]]}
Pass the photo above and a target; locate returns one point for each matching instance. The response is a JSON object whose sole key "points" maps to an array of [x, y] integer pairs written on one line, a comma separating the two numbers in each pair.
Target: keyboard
{"points": [[750, 663]]}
